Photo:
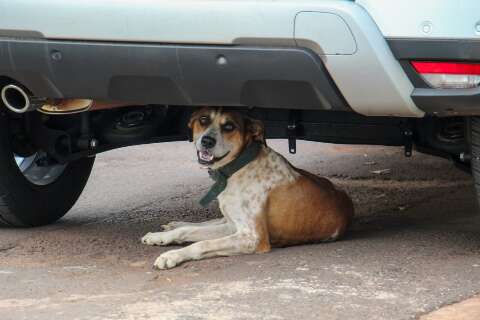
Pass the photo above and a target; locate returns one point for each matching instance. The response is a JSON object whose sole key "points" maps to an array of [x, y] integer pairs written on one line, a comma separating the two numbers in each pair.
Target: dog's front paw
{"points": [[168, 260], [156, 239]]}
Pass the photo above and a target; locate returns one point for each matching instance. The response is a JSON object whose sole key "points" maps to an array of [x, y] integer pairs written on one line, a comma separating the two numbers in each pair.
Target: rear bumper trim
{"points": [[172, 74], [434, 49]]}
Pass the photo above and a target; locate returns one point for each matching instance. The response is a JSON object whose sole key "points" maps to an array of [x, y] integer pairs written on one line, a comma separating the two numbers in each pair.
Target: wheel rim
{"points": [[40, 175]]}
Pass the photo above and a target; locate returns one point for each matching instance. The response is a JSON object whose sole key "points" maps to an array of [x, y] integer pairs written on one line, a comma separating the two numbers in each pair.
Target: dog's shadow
{"points": [[119, 234], [451, 228]]}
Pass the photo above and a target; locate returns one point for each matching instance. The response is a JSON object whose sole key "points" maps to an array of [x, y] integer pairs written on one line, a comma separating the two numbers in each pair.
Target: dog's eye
{"points": [[204, 120], [228, 127]]}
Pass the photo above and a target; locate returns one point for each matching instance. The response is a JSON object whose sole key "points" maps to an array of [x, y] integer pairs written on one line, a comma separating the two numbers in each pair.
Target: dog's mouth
{"points": [[206, 157]]}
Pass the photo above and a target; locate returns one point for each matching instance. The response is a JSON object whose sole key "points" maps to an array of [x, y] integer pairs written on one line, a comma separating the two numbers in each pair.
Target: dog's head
{"points": [[221, 135]]}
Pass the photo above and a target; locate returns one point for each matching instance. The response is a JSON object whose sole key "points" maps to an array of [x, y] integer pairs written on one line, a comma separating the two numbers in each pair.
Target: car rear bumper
{"points": [[309, 54]]}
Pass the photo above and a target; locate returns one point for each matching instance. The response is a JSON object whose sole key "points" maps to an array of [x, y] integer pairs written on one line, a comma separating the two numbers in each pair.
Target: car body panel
{"points": [[435, 19], [360, 61]]}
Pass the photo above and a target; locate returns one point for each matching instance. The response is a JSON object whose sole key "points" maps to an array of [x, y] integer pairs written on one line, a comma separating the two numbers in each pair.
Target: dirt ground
{"points": [[414, 246]]}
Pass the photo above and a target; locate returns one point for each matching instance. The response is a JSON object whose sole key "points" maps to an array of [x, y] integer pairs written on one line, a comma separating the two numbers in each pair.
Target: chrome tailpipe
{"points": [[18, 100]]}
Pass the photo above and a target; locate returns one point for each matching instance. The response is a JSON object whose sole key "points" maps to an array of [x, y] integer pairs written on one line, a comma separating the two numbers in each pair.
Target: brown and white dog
{"points": [[266, 203]]}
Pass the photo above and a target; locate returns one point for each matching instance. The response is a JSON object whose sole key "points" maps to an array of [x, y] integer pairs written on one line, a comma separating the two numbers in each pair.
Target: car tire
{"points": [[24, 203], [475, 152]]}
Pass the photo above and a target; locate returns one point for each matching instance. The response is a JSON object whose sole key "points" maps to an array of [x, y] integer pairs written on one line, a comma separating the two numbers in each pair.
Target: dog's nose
{"points": [[208, 142]]}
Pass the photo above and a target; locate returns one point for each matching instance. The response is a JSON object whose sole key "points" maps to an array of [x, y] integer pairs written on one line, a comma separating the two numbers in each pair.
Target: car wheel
{"points": [[475, 151], [34, 191]]}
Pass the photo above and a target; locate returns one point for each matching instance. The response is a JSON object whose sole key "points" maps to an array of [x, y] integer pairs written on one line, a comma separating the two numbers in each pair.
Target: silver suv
{"points": [[78, 78]]}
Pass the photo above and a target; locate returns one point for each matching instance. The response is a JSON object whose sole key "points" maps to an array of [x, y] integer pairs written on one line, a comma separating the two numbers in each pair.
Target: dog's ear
{"points": [[255, 129], [193, 118]]}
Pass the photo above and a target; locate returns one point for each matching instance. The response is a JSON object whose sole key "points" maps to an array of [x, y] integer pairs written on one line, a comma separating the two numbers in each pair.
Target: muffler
{"points": [[65, 106], [18, 100], [70, 106]]}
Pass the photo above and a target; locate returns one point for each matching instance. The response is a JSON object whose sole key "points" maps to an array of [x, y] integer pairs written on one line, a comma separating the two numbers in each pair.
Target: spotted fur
{"points": [[266, 203]]}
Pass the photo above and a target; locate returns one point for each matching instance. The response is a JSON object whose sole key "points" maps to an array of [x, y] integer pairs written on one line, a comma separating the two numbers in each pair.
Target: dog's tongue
{"points": [[206, 156]]}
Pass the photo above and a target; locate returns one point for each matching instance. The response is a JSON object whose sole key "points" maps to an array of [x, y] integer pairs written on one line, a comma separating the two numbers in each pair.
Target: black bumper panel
{"points": [[433, 49], [172, 74], [448, 102]]}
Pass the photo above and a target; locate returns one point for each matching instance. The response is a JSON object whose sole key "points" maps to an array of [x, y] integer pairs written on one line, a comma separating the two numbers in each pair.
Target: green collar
{"points": [[221, 175]]}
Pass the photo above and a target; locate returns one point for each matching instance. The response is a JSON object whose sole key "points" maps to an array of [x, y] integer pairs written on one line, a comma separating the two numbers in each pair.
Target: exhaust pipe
{"points": [[70, 106], [16, 99], [19, 100]]}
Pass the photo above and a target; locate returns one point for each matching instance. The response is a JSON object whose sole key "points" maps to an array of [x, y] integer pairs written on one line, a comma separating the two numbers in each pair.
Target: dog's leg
{"points": [[177, 224], [238, 243], [189, 234]]}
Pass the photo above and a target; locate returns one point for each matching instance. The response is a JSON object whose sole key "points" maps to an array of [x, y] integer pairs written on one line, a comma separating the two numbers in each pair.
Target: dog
{"points": [[265, 201]]}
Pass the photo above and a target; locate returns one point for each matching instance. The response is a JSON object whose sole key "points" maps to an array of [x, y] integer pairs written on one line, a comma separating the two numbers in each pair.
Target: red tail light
{"points": [[449, 75], [446, 67]]}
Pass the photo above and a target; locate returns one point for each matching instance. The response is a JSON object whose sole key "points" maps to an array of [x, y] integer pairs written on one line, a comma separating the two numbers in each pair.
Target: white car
{"points": [[82, 77]]}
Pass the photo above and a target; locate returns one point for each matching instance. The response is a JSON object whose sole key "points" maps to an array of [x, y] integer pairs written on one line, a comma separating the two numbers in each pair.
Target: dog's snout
{"points": [[208, 142]]}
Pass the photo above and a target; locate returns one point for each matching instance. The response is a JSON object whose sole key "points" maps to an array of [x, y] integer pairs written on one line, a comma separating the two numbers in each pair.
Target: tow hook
{"points": [[408, 142], [292, 132]]}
